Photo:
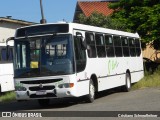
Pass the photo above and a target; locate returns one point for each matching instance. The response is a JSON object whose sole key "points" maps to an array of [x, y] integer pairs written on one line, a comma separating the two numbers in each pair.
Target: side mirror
{"points": [[83, 42]]}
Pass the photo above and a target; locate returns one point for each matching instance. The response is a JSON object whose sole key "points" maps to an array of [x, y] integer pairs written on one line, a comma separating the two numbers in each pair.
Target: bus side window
{"points": [[3, 54], [109, 46], [10, 55], [100, 45], [118, 46], [125, 45], [80, 55], [132, 47], [91, 46], [138, 48]]}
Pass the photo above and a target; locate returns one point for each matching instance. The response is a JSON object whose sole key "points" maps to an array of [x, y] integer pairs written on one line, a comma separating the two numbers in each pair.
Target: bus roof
{"points": [[102, 30], [82, 27]]}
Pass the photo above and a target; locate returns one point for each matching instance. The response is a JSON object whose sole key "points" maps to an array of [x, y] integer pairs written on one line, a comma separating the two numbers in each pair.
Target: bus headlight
{"points": [[20, 88], [66, 85]]}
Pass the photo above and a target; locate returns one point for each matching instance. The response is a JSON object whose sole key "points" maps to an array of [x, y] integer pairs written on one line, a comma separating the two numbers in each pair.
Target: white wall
{"points": [[7, 30]]}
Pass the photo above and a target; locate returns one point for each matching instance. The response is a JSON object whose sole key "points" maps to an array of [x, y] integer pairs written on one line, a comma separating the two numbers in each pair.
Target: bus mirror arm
{"points": [[9, 39], [7, 51], [8, 46]]}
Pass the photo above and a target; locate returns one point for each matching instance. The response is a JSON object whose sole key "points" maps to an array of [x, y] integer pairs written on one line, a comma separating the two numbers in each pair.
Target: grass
{"points": [[9, 96], [150, 80]]}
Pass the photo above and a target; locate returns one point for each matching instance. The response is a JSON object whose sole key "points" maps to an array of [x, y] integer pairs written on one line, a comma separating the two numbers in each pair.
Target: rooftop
{"points": [[16, 21], [87, 7]]}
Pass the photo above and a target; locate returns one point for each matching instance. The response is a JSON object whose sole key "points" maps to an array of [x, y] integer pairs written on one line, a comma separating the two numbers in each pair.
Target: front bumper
{"points": [[45, 94], [45, 87]]}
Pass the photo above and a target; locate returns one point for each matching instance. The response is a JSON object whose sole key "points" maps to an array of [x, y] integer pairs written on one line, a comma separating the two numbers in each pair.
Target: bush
{"points": [[9, 96], [150, 80]]}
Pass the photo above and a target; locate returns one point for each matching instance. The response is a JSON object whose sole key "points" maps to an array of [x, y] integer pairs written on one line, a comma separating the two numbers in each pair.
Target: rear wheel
{"points": [[91, 96], [127, 86], [43, 102]]}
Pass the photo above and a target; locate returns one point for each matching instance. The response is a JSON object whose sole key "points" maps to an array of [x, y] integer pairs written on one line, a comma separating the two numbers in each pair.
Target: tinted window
{"points": [[91, 47], [3, 54], [80, 55], [132, 47], [4, 57], [108, 40], [100, 45], [138, 48], [118, 46], [125, 46], [109, 46], [117, 41], [10, 54]]}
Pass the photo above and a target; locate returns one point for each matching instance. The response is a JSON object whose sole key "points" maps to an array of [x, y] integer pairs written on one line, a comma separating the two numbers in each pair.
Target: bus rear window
{"points": [[4, 57]]}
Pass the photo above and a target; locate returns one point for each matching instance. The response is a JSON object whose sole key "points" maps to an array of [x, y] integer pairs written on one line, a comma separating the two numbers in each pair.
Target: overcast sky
{"points": [[29, 10]]}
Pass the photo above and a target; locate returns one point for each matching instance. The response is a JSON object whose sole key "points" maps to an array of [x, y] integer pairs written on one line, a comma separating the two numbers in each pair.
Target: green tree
{"points": [[140, 16], [100, 20]]}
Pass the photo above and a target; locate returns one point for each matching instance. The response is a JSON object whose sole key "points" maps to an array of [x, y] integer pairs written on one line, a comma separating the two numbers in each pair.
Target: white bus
{"points": [[6, 68], [73, 60]]}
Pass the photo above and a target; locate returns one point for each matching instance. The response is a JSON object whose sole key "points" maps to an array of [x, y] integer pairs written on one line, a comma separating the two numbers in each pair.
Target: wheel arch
{"points": [[128, 71], [95, 81]]}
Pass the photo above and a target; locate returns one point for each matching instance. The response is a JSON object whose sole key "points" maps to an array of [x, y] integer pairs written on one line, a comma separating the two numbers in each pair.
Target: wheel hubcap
{"points": [[128, 82], [92, 91]]}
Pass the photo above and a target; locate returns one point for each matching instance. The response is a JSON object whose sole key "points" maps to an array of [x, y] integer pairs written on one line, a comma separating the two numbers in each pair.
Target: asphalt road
{"points": [[138, 100]]}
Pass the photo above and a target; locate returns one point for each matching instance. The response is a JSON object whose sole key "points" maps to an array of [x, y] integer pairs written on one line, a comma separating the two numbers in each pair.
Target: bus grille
{"points": [[41, 81], [41, 96], [37, 88]]}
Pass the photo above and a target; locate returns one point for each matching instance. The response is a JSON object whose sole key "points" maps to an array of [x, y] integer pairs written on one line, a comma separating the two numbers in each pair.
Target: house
{"points": [[150, 53], [87, 7], [9, 25]]}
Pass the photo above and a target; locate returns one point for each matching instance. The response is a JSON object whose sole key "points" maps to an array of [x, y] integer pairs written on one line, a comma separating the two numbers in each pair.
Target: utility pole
{"points": [[43, 20]]}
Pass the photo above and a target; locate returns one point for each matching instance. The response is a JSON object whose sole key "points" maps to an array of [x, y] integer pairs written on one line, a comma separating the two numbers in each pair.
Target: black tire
{"points": [[127, 86], [2, 93], [0, 90], [43, 102], [91, 96]]}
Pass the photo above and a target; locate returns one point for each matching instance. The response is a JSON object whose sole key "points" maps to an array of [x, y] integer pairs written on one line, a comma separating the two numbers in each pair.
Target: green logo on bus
{"points": [[112, 65]]}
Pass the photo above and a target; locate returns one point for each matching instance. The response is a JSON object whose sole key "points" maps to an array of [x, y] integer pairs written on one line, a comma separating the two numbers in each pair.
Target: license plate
{"points": [[41, 93]]}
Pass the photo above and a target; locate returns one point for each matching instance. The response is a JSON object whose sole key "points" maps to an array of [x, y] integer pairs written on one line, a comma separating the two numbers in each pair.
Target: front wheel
{"points": [[91, 96]]}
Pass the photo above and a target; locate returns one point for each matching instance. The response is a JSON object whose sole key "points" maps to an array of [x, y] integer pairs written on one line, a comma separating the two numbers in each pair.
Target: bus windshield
{"points": [[43, 56]]}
